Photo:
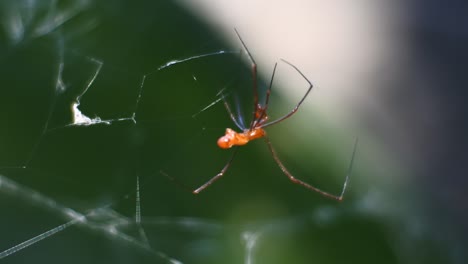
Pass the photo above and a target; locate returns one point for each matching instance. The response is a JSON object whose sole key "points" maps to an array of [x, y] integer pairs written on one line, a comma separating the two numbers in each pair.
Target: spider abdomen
{"points": [[232, 138]]}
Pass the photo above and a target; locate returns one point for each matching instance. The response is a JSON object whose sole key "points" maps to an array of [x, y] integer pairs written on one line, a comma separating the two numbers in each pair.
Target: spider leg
{"points": [[298, 104], [239, 123], [217, 176], [240, 116], [267, 98], [254, 79], [308, 186]]}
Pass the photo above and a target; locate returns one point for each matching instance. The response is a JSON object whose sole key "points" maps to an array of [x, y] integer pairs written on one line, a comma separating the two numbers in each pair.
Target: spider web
{"points": [[91, 125]]}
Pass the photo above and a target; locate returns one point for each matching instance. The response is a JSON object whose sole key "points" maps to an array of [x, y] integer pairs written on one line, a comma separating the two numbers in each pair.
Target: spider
{"points": [[256, 130]]}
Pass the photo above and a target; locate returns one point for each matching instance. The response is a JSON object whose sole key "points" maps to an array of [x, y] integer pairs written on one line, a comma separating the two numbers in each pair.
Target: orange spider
{"points": [[256, 130]]}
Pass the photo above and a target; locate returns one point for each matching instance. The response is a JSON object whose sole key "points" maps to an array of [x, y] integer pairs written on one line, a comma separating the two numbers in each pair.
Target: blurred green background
{"points": [[51, 170]]}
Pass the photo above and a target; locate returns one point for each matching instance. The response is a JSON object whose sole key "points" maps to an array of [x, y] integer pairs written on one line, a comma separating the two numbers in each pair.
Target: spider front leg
{"points": [[306, 185]]}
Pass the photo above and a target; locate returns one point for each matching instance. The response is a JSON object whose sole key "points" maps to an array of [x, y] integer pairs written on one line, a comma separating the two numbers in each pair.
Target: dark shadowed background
{"points": [[104, 103]]}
